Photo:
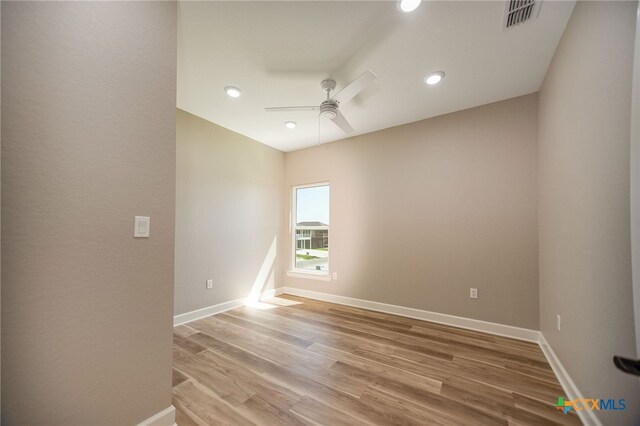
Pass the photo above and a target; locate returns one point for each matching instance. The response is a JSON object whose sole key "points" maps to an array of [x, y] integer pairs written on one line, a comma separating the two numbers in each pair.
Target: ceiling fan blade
{"points": [[342, 122], [355, 87], [293, 108]]}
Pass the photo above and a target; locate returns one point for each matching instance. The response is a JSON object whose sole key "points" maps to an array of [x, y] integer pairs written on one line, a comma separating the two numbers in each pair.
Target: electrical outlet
{"points": [[558, 322], [473, 293], [209, 283], [335, 275]]}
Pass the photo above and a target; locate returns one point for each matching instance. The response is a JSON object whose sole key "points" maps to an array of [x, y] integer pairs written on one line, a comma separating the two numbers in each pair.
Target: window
{"points": [[311, 228]]}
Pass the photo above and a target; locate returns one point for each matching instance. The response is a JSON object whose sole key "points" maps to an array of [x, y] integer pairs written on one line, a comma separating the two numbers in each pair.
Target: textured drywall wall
{"points": [[88, 141], [585, 258], [228, 211], [635, 180], [422, 212], [0, 216]]}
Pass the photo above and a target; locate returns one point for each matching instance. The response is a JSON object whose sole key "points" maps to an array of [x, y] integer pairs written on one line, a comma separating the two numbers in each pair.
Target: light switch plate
{"points": [[141, 227]]}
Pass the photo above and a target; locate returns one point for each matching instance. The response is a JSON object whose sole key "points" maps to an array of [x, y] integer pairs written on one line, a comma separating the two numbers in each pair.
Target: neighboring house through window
{"points": [[311, 228]]}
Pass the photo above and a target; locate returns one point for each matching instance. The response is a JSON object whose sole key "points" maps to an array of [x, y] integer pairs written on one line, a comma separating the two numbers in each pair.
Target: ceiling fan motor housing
{"points": [[328, 109]]}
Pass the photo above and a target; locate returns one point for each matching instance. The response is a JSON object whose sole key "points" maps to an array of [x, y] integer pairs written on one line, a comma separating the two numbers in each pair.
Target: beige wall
{"points": [[422, 212], [228, 210], [0, 215], [88, 128], [585, 261], [635, 181]]}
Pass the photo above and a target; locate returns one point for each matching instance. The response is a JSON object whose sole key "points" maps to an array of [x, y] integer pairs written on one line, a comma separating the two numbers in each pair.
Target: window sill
{"points": [[309, 275]]}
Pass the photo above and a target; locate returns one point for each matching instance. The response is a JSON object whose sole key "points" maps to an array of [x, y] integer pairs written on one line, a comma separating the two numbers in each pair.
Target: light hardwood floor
{"points": [[299, 361]]}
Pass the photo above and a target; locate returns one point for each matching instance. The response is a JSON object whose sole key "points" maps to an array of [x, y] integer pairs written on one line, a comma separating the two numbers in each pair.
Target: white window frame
{"points": [[293, 227]]}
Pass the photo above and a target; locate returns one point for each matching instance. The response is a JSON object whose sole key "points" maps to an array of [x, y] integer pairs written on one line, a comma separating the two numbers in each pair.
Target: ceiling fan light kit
{"points": [[328, 110], [330, 107]]}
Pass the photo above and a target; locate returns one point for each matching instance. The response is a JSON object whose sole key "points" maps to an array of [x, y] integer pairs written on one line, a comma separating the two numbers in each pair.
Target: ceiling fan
{"points": [[329, 108]]}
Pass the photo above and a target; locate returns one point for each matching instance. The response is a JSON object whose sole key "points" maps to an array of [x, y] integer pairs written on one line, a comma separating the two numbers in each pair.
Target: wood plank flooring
{"points": [[296, 361]]}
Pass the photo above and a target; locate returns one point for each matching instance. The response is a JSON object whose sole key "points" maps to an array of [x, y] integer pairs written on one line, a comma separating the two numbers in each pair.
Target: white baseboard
{"points": [[220, 307], [272, 293], [205, 312], [166, 417], [468, 323], [571, 391]]}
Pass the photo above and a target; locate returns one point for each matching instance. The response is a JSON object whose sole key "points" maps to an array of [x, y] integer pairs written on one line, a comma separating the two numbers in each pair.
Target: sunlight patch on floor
{"points": [[270, 303], [280, 301], [259, 305]]}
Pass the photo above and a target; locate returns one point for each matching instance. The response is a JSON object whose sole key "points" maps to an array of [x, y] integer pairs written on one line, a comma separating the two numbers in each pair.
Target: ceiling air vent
{"points": [[520, 11]]}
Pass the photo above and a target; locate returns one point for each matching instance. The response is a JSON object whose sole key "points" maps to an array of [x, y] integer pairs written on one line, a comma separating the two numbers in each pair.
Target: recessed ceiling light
{"points": [[407, 6], [290, 124], [434, 78], [232, 91]]}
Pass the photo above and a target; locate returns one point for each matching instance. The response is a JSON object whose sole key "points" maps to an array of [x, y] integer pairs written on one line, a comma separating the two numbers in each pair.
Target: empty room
{"points": [[320, 212]]}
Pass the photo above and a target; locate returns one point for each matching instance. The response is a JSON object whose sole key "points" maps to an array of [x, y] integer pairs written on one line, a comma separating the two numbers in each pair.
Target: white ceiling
{"points": [[278, 52]]}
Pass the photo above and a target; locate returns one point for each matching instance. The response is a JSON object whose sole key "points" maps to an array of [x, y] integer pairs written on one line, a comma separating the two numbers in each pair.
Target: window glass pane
{"points": [[312, 206], [312, 245], [312, 249]]}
